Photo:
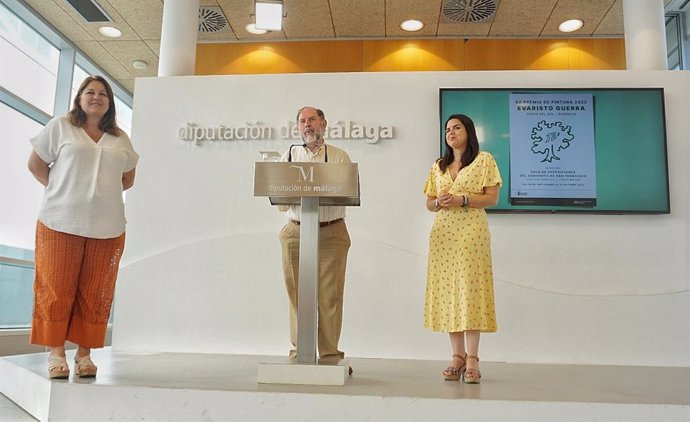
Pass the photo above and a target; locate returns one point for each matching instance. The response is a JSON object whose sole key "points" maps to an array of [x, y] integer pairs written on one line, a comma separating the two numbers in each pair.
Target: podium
{"points": [[309, 185]]}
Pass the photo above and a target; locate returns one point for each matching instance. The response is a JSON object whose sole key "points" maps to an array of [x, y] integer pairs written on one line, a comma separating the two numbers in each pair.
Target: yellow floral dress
{"points": [[459, 289]]}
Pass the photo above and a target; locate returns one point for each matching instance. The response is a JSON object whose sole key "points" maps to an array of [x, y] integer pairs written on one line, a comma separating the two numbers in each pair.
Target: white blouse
{"points": [[84, 192]]}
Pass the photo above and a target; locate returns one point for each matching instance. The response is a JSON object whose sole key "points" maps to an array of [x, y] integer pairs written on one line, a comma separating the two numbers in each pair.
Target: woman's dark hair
{"points": [[108, 123], [472, 149]]}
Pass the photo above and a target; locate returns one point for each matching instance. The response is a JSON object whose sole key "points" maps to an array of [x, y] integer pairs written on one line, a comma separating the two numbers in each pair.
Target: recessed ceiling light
{"points": [[269, 14], [110, 31], [139, 64], [412, 25], [252, 29], [570, 25]]}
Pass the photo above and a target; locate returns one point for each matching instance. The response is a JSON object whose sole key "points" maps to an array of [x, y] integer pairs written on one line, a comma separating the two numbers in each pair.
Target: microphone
{"points": [[290, 150], [304, 145]]}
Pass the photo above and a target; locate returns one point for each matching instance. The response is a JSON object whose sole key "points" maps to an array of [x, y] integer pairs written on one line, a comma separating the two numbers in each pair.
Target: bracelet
{"points": [[465, 201]]}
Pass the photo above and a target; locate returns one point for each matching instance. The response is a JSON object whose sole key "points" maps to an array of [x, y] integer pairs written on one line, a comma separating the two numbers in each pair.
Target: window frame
{"points": [[679, 20], [673, 20], [70, 55]]}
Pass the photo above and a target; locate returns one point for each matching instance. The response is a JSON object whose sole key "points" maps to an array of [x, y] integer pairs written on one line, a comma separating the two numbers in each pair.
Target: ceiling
{"points": [[140, 22]]}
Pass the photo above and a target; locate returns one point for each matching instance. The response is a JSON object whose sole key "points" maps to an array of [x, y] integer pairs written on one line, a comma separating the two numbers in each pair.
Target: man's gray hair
{"points": [[319, 112]]}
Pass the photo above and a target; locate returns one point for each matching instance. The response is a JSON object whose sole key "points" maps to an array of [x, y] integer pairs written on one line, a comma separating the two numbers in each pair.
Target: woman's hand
{"points": [[447, 200], [488, 198], [39, 168], [128, 179]]}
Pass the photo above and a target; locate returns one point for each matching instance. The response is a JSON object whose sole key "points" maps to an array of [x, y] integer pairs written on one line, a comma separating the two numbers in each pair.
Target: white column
{"points": [[645, 34], [178, 38]]}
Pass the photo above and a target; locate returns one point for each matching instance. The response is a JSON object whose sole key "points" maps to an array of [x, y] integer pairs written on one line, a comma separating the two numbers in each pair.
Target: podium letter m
{"points": [[305, 176]]}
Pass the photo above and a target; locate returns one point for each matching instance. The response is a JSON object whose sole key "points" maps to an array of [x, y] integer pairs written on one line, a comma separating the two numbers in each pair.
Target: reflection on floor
{"points": [[199, 387]]}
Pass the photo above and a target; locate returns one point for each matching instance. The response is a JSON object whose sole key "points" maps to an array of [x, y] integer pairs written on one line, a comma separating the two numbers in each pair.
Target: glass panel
{"points": [[124, 116], [33, 73], [20, 193], [16, 300], [16, 283], [78, 77], [673, 45]]}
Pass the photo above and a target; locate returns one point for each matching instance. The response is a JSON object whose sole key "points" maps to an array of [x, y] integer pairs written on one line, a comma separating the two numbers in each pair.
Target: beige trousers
{"points": [[334, 244]]}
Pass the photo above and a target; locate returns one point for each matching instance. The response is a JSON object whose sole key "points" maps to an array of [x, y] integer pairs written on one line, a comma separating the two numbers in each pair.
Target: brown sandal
{"points": [[471, 375], [453, 373], [57, 368], [84, 367]]}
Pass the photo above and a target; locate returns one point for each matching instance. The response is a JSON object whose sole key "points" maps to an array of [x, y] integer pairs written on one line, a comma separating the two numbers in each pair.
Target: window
{"points": [[20, 193], [33, 73], [676, 42], [78, 76], [19, 189], [29, 89], [124, 116], [16, 283]]}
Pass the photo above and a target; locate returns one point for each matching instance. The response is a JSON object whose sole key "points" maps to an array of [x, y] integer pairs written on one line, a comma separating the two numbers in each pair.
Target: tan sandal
{"points": [[84, 367], [57, 368], [453, 373], [471, 375]]}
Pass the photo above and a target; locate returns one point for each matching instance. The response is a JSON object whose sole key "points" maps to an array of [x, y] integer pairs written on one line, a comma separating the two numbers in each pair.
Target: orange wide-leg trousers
{"points": [[74, 285]]}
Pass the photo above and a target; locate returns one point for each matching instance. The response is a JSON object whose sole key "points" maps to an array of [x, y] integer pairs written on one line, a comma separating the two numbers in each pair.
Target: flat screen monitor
{"points": [[583, 150]]}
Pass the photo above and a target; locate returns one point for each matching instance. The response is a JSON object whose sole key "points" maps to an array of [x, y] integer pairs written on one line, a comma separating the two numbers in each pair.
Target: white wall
{"points": [[202, 273]]}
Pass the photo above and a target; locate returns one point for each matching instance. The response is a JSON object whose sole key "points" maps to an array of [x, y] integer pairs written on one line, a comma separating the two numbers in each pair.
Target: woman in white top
{"points": [[85, 162]]}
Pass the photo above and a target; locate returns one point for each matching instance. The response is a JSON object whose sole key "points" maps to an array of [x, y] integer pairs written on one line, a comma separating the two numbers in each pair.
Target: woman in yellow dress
{"points": [[459, 291]]}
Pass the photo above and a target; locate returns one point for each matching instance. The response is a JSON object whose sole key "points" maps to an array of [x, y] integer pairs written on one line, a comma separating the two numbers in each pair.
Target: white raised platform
{"points": [[289, 372], [199, 387]]}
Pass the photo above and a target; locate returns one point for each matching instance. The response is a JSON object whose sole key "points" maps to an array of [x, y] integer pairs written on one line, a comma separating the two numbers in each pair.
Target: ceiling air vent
{"points": [[212, 19], [89, 10], [469, 11]]}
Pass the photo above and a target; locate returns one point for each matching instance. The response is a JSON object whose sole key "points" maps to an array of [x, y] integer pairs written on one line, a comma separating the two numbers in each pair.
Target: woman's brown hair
{"points": [[472, 149], [108, 123]]}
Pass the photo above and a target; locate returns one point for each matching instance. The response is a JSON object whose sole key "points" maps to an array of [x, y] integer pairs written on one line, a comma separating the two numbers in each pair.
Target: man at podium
{"points": [[334, 241]]}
